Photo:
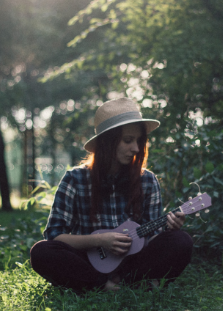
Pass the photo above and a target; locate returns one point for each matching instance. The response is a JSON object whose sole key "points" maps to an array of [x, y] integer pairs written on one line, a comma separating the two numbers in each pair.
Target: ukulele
{"points": [[106, 262]]}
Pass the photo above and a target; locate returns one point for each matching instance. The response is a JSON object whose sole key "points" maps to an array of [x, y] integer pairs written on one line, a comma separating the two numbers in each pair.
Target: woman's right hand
{"points": [[117, 243]]}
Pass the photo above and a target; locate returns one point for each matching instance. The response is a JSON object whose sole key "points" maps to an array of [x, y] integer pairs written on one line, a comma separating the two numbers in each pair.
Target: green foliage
{"points": [[18, 236], [168, 56], [165, 54], [22, 289], [197, 159], [198, 288], [43, 192]]}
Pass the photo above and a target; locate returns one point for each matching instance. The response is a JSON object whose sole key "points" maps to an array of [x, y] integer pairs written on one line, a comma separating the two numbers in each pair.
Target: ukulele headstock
{"points": [[198, 203]]}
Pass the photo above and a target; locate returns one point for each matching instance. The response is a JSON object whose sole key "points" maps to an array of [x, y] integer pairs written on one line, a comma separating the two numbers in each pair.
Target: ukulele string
{"points": [[153, 224], [149, 227], [189, 207], [159, 222], [144, 228]]}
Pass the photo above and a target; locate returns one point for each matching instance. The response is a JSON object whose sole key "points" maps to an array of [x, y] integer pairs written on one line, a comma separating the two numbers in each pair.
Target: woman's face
{"points": [[128, 146]]}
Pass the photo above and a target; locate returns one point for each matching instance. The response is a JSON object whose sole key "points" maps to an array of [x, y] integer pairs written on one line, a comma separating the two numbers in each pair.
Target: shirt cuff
{"points": [[52, 233]]}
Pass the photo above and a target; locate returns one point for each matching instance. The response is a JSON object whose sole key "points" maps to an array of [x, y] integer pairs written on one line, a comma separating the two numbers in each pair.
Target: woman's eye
{"points": [[127, 141], [130, 140]]}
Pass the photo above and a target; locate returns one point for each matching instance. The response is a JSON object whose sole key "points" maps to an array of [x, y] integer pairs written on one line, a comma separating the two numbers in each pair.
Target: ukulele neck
{"points": [[151, 226]]}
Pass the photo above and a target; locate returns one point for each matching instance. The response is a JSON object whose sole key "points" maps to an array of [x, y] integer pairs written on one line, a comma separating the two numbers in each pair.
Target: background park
{"points": [[59, 61]]}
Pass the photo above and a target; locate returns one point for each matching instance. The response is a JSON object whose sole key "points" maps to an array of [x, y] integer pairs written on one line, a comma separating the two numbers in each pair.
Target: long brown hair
{"points": [[100, 164]]}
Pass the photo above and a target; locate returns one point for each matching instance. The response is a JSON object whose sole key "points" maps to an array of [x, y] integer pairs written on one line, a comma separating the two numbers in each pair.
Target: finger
{"points": [[169, 226], [173, 221], [122, 245], [121, 248], [171, 218], [119, 251], [179, 218], [124, 238], [180, 215]]}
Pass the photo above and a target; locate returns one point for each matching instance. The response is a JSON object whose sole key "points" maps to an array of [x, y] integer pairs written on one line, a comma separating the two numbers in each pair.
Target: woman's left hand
{"points": [[175, 221]]}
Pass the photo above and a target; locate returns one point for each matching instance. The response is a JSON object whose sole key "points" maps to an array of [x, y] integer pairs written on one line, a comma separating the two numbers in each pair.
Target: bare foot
{"points": [[155, 283], [112, 284]]}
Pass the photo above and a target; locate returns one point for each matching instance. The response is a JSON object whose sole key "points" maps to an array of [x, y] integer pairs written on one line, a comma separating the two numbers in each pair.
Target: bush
{"points": [[193, 157]]}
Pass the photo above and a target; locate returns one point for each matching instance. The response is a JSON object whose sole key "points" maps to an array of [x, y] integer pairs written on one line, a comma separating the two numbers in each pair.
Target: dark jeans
{"points": [[165, 256]]}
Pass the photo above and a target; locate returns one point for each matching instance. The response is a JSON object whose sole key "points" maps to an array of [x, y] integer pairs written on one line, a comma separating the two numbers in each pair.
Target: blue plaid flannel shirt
{"points": [[71, 207]]}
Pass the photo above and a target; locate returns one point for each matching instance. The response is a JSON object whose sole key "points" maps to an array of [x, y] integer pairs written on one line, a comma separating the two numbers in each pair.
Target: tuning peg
{"points": [[207, 210], [197, 214]]}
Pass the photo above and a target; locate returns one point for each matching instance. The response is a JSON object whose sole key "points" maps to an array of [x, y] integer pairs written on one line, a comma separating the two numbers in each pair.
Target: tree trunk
{"points": [[4, 184]]}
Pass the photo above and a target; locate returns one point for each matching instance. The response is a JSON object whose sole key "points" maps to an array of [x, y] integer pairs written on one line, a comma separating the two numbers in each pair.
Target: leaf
{"points": [[42, 228], [197, 173], [4, 297], [217, 180], [46, 184], [30, 242], [209, 166], [185, 182], [29, 203], [41, 196], [215, 244], [32, 201], [104, 7], [209, 229], [23, 247], [156, 150], [53, 190], [115, 25], [216, 194], [185, 189]]}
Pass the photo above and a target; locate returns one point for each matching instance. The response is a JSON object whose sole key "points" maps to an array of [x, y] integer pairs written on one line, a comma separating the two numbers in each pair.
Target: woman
{"points": [[110, 188]]}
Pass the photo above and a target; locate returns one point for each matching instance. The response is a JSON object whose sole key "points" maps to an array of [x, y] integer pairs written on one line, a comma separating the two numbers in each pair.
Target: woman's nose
{"points": [[135, 147]]}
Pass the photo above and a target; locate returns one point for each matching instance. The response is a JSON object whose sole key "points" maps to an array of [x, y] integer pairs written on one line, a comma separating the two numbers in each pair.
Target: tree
{"points": [[164, 55], [32, 42], [4, 187], [168, 56]]}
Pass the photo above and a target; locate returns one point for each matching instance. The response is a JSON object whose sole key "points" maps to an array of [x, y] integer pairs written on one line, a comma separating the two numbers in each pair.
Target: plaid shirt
{"points": [[71, 207]]}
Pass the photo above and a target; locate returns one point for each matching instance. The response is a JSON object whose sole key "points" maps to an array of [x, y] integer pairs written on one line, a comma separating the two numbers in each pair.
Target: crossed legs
{"points": [[165, 256]]}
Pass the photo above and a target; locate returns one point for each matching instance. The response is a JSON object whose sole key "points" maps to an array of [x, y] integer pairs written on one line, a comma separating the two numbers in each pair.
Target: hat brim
{"points": [[151, 125]]}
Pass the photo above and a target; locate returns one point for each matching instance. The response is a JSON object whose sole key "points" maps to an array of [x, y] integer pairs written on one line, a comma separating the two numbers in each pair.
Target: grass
{"points": [[19, 230], [9, 218], [200, 287]]}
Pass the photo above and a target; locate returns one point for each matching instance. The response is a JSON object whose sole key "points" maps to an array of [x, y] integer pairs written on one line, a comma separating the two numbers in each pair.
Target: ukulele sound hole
{"points": [[101, 253]]}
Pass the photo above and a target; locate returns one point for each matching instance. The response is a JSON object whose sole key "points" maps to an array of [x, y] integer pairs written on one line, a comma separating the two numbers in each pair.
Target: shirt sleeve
{"points": [[152, 204], [61, 214]]}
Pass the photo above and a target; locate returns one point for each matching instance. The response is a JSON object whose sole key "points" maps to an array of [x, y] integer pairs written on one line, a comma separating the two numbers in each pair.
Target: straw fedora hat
{"points": [[114, 113]]}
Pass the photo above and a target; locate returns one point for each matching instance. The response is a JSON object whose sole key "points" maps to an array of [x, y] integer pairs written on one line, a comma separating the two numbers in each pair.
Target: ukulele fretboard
{"points": [[153, 225]]}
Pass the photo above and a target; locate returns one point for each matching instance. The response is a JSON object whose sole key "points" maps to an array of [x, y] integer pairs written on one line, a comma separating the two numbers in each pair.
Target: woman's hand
{"points": [[117, 243], [175, 221]]}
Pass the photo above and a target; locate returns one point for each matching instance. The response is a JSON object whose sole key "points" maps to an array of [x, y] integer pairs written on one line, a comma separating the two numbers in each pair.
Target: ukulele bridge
{"points": [[101, 253]]}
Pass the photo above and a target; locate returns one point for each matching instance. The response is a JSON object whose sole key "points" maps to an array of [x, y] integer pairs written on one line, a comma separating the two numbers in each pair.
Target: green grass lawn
{"points": [[200, 287]]}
